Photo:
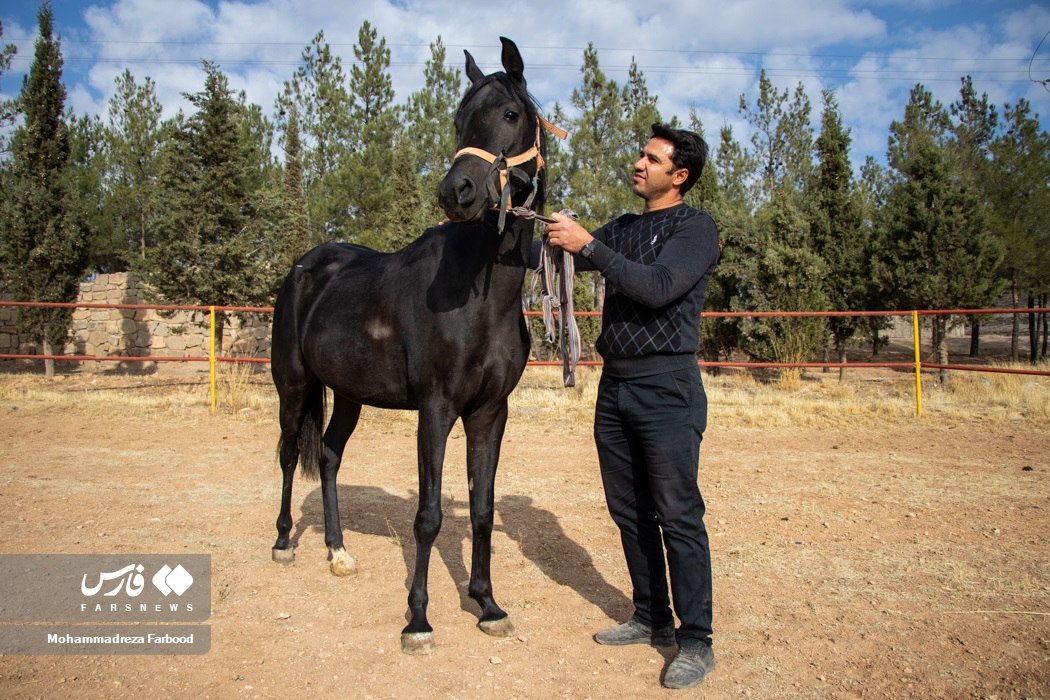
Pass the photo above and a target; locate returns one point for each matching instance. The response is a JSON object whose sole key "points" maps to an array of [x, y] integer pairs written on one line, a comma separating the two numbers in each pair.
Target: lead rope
{"points": [[556, 272]]}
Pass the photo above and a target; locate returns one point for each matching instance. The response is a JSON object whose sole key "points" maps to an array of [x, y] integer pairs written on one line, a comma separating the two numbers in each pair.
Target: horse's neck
{"points": [[516, 243]]}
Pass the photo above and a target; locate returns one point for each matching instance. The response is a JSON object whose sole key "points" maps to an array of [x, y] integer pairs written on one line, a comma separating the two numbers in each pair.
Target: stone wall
{"points": [[140, 332]]}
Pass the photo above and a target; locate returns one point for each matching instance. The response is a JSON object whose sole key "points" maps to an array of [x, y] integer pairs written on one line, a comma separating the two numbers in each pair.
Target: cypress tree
{"points": [[43, 224], [296, 237]]}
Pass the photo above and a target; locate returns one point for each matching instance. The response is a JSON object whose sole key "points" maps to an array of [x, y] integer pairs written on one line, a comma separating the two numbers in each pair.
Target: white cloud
{"points": [[701, 54]]}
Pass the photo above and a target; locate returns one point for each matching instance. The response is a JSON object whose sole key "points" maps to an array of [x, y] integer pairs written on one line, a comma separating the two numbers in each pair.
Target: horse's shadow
{"points": [[373, 511]]}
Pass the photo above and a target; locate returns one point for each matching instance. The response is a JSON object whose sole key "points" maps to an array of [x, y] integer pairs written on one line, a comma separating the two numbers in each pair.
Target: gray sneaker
{"points": [[690, 667], [634, 632]]}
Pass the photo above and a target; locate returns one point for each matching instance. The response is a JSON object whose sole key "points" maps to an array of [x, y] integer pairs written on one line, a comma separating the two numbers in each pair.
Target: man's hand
{"points": [[567, 234]]}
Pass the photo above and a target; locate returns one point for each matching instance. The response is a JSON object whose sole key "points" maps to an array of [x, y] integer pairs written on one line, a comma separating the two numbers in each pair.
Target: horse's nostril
{"points": [[464, 191]]}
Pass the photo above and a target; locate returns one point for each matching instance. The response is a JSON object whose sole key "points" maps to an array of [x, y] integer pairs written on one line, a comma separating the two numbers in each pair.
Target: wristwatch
{"points": [[588, 250]]}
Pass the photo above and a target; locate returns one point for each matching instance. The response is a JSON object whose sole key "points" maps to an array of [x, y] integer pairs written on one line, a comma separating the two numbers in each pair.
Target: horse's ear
{"points": [[512, 62], [473, 72]]}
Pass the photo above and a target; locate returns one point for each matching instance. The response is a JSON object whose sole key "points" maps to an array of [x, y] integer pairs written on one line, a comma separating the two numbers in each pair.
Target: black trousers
{"points": [[648, 432]]}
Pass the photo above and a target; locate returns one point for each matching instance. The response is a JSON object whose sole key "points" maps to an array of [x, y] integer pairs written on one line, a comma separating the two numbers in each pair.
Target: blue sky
{"points": [[704, 54]]}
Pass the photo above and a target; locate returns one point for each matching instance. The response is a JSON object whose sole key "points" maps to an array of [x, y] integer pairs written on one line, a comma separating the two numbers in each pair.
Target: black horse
{"points": [[436, 327]]}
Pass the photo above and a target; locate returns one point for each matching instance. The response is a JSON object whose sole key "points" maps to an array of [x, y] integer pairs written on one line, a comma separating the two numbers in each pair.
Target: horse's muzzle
{"points": [[461, 197]]}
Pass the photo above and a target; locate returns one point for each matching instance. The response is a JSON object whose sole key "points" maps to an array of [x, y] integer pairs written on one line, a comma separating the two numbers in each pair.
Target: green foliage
{"points": [[601, 148], [212, 246], [294, 238], [1019, 199], [318, 91], [200, 207], [777, 271], [835, 227], [43, 223], [132, 147], [772, 253], [374, 120], [428, 116], [938, 251]]}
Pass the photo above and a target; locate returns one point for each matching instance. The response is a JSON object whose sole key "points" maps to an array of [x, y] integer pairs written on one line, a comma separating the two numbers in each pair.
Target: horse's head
{"points": [[499, 141]]}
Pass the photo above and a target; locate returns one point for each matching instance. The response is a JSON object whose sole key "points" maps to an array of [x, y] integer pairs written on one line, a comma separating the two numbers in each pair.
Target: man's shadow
{"points": [[373, 511]]}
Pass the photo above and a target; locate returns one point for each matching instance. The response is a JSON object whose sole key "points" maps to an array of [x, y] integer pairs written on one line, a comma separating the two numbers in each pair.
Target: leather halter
{"points": [[533, 153]]}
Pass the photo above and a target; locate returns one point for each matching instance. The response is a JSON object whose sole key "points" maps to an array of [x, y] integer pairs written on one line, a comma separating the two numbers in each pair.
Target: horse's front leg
{"points": [[435, 423], [484, 436]]}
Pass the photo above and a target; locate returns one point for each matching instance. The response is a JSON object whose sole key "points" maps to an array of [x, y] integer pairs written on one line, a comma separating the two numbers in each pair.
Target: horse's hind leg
{"points": [[344, 419], [484, 431], [291, 415]]}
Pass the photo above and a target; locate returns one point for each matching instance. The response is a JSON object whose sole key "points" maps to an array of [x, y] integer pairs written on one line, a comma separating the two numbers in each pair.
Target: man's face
{"points": [[654, 173]]}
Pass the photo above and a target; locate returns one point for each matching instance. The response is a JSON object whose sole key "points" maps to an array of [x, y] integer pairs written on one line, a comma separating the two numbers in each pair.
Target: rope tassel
{"points": [[556, 271]]}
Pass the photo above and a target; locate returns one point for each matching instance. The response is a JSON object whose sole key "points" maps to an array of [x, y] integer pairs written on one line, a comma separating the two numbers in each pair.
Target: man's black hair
{"points": [[690, 152]]}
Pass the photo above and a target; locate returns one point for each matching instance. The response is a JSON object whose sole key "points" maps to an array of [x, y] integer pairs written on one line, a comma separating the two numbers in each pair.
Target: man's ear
{"points": [[678, 177]]}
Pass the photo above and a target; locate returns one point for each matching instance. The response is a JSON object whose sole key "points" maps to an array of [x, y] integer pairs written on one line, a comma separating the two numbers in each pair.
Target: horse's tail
{"points": [[311, 443]]}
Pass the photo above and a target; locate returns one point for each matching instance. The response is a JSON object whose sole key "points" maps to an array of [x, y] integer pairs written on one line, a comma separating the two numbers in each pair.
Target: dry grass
{"points": [[736, 398]]}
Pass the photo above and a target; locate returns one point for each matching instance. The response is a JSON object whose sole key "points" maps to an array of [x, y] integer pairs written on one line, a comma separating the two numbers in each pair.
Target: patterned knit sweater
{"points": [[656, 266]]}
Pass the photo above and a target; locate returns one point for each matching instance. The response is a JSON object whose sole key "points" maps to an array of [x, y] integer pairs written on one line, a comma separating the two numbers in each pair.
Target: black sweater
{"points": [[657, 266]]}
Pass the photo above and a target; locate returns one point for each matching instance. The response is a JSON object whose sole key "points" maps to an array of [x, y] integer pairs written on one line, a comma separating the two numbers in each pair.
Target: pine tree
{"points": [[938, 252], [1019, 201], [782, 140], [372, 198], [601, 148], [640, 110], [87, 162], [870, 195], [974, 129], [318, 90], [132, 140], [733, 212], [44, 232], [778, 268], [835, 226], [212, 245], [429, 125]]}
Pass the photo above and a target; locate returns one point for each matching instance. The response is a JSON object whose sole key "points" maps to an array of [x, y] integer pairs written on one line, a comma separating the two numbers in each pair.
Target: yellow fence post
{"points": [[211, 359], [918, 364]]}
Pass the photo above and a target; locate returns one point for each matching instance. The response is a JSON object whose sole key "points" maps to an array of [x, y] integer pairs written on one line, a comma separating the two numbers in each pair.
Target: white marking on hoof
{"points": [[283, 556], [418, 643], [497, 628], [342, 563]]}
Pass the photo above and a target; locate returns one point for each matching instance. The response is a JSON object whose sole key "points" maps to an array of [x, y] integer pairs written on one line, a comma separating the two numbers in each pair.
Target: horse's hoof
{"points": [[342, 563], [283, 556], [417, 643], [502, 627]]}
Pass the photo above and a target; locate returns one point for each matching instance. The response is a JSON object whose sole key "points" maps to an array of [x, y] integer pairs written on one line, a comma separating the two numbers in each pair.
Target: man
{"points": [[651, 410]]}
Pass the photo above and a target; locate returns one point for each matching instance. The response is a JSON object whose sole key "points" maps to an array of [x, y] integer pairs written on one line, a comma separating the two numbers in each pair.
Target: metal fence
{"points": [[213, 358]]}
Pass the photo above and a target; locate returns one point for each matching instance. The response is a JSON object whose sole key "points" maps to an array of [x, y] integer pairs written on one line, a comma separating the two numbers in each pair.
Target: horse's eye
{"points": [[511, 115]]}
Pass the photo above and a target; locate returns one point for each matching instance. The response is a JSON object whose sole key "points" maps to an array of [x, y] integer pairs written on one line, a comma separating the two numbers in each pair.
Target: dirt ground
{"points": [[908, 559]]}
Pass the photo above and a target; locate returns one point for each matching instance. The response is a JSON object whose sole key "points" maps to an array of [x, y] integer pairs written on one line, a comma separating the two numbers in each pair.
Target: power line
{"points": [[703, 52], [909, 75]]}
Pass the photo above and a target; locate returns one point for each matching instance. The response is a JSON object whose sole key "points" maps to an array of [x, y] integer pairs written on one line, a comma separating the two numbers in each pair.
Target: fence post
{"points": [[918, 363], [211, 358]]}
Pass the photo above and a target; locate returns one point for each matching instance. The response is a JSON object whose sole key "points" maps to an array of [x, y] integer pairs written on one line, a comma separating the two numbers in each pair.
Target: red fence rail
{"points": [[213, 358]]}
